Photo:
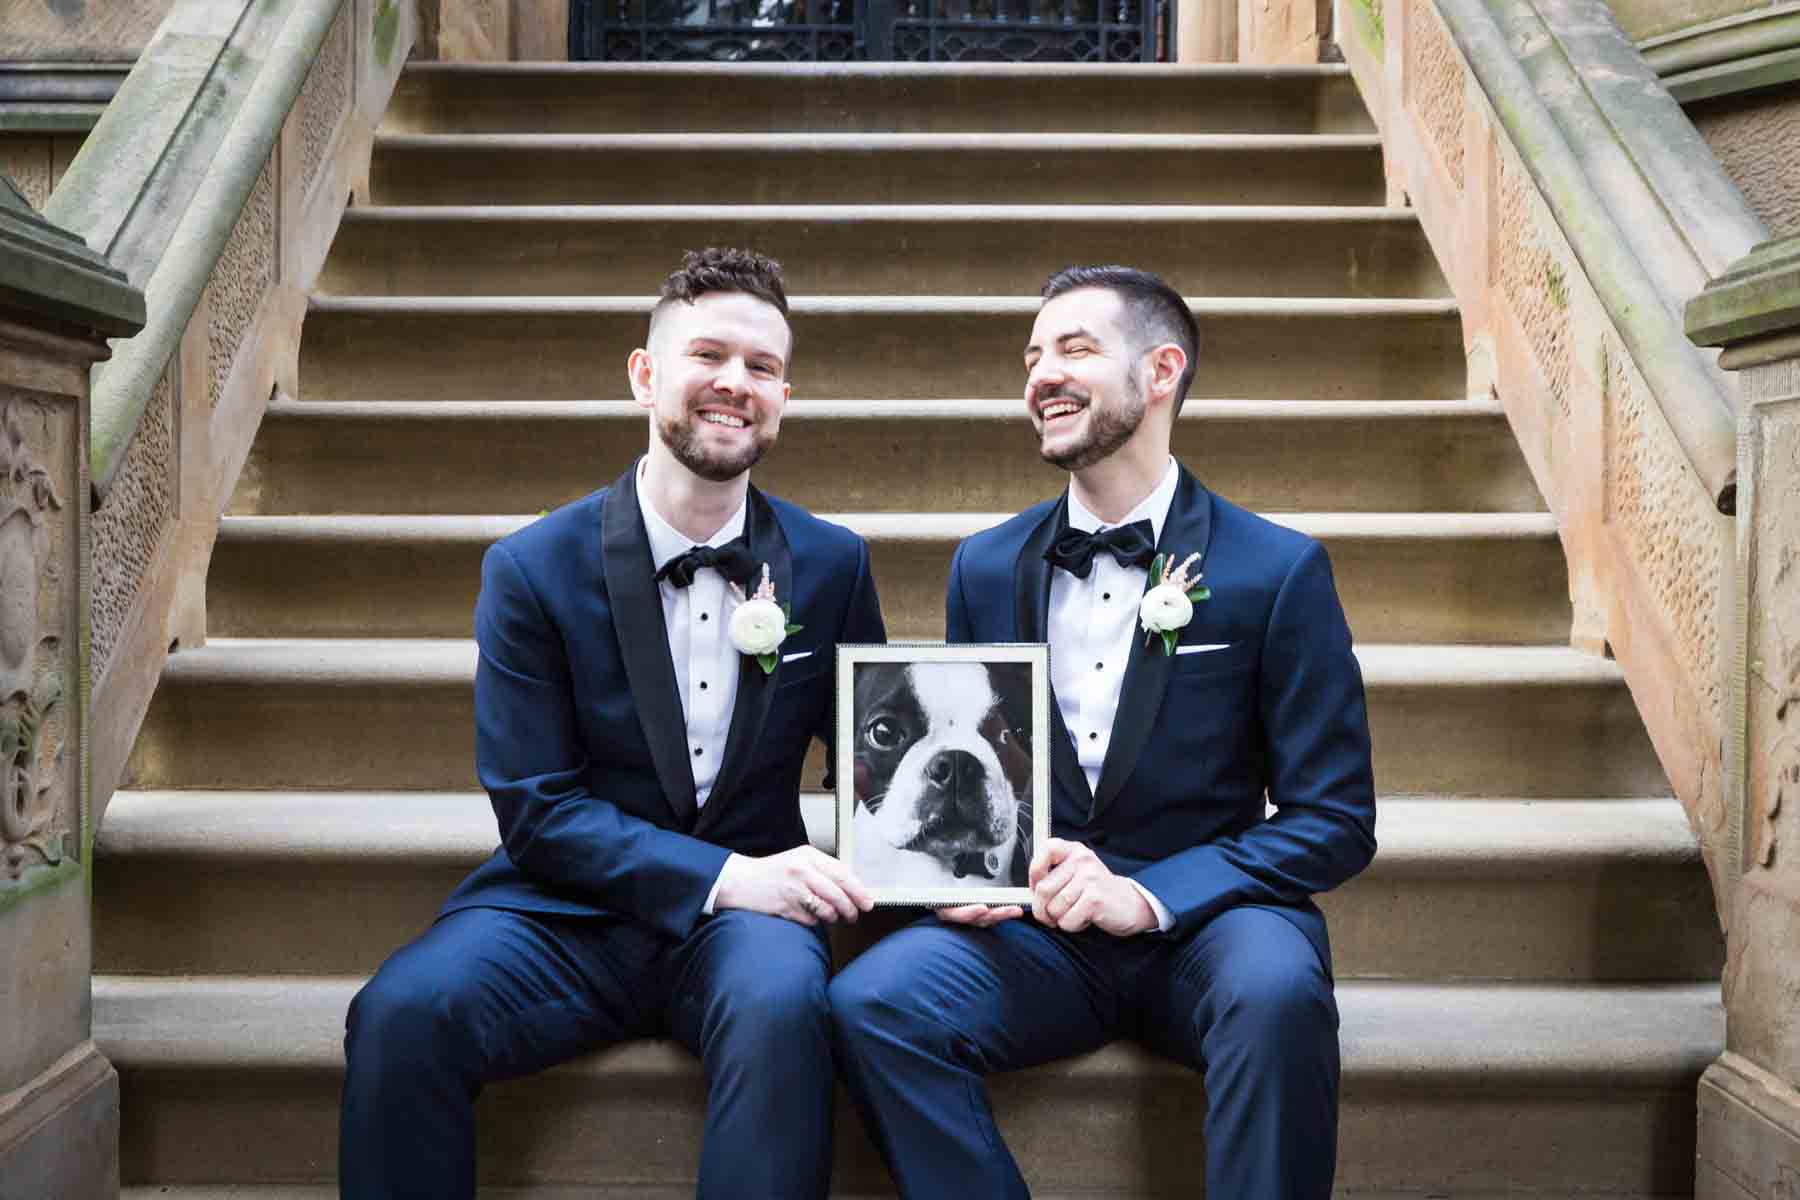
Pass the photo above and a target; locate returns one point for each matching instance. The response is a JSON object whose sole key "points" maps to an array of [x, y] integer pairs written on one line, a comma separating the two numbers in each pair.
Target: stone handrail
{"points": [[1576, 210], [215, 181]]}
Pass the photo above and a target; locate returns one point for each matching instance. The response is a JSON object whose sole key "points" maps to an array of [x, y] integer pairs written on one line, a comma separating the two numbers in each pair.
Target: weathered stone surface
{"points": [[1749, 1143], [1757, 140], [59, 1134], [40, 690], [80, 30]]}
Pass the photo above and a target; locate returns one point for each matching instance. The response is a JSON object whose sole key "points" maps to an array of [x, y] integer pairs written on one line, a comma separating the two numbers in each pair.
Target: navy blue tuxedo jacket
{"points": [[580, 739], [1199, 738]]}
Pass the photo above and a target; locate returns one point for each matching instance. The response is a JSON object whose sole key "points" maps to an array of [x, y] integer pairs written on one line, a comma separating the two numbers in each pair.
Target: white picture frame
{"points": [[928, 759]]}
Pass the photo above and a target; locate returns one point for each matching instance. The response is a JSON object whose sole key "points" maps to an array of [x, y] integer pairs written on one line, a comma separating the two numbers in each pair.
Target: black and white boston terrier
{"points": [[943, 774]]}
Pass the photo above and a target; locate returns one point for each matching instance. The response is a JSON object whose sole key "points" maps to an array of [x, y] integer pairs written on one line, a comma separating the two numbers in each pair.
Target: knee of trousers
{"points": [[867, 1013], [396, 1022], [772, 1008], [1273, 1005]]}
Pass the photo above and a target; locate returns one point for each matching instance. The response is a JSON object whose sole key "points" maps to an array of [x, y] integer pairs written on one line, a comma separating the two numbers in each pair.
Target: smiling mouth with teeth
{"points": [[725, 419], [1058, 408]]}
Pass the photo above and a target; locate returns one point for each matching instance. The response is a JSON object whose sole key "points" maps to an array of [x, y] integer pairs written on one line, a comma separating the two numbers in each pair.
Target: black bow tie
{"points": [[1132, 545], [733, 560]]}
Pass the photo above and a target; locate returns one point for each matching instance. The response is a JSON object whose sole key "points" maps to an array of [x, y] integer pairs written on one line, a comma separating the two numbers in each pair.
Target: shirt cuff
{"points": [[1165, 920], [712, 896]]}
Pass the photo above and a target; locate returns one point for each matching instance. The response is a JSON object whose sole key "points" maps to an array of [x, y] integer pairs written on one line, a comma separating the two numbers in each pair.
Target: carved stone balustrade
{"points": [[1749, 1143], [59, 1097]]}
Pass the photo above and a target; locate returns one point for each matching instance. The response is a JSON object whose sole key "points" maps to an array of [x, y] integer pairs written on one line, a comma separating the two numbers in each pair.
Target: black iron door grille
{"points": [[1105, 31]]}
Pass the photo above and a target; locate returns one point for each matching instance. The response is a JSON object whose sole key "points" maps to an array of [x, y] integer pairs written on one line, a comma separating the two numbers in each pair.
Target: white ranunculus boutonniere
{"points": [[1168, 605], [760, 624]]}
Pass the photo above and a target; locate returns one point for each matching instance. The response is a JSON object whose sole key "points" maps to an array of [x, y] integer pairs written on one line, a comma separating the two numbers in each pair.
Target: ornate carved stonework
{"points": [[1434, 80], [1774, 669], [325, 98], [128, 530], [1670, 528], [1534, 283], [245, 272], [36, 801]]}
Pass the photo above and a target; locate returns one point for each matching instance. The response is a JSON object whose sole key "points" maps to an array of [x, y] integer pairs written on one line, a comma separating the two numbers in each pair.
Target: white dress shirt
{"points": [[698, 618], [1093, 623]]}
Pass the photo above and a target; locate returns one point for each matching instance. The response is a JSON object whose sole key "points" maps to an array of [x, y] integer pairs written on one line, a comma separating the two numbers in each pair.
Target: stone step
{"points": [[421, 456], [1448, 1088], [876, 168], [377, 714], [885, 348], [896, 250], [872, 97], [1404, 577], [324, 883]]}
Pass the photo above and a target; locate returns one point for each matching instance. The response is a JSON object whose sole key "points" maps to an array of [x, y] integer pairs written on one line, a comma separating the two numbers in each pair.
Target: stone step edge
{"points": [[940, 305], [1437, 1036], [1419, 837], [1478, 527], [438, 662], [821, 143], [863, 214], [1011, 412], [1134, 72]]}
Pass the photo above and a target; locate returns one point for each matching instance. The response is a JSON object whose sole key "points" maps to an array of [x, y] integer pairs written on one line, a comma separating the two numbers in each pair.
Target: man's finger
{"points": [[1049, 853], [963, 914], [837, 904], [1081, 913], [1053, 884], [844, 877]]}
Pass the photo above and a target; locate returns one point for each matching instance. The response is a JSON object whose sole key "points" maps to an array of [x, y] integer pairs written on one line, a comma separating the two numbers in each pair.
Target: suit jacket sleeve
{"points": [[862, 625], [956, 609], [1316, 746], [531, 759]]}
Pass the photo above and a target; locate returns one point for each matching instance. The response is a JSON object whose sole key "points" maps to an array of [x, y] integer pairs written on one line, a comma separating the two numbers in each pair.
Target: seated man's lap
{"points": [[508, 993], [1019, 994]]}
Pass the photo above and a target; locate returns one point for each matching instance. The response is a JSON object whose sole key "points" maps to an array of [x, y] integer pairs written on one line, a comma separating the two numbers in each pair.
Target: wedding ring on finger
{"points": [[815, 904]]}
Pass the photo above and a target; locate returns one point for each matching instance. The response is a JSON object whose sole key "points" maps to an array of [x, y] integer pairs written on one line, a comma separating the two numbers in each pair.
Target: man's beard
{"points": [[682, 436], [1107, 429]]}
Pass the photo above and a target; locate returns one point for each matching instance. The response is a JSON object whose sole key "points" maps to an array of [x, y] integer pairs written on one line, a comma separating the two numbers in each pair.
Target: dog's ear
{"points": [[1012, 688]]}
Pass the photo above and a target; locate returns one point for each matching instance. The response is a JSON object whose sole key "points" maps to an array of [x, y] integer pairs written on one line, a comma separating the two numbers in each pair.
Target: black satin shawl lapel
{"points": [[1031, 610], [637, 618], [755, 689], [1188, 530]]}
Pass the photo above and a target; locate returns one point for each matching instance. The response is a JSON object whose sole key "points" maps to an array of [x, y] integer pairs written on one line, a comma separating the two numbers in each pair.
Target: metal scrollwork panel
{"points": [[38, 700]]}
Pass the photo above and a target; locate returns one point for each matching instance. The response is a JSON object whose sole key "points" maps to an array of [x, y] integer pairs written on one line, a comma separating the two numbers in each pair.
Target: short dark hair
{"points": [[724, 269], [1154, 312]]}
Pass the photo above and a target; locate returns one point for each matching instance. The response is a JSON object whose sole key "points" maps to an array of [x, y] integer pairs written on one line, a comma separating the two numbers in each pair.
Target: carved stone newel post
{"points": [[1749, 1138], [58, 1095]]}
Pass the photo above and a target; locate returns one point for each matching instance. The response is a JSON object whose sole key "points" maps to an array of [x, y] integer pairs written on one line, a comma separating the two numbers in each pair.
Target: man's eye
{"points": [[882, 734], [708, 355]]}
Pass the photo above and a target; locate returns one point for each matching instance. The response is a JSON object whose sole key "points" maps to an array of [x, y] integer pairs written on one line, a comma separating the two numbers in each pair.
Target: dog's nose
{"points": [[960, 775]]}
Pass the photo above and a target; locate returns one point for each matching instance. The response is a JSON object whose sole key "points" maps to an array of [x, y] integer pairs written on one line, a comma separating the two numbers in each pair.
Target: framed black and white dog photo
{"points": [[943, 769]]}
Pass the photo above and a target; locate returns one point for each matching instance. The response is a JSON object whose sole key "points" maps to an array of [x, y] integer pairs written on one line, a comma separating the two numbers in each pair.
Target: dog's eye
{"points": [[882, 734]]}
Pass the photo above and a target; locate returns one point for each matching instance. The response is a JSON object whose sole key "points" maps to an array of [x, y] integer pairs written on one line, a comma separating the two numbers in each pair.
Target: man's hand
{"points": [[1072, 889], [803, 884], [980, 915]]}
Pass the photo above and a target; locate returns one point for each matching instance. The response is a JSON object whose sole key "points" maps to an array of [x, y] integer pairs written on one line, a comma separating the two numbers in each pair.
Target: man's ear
{"points": [[1167, 362], [640, 369]]}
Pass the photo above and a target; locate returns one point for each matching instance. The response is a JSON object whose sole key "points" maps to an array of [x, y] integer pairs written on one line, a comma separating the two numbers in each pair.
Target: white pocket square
{"points": [[1204, 648], [798, 654]]}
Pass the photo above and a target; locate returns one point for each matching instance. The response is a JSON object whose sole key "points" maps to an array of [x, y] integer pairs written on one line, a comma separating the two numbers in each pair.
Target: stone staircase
{"points": [[1527, 973]]}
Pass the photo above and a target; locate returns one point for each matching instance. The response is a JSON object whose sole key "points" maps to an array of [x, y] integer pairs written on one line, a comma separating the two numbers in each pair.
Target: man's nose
{"points": [[732, 377], [1042, 378]]}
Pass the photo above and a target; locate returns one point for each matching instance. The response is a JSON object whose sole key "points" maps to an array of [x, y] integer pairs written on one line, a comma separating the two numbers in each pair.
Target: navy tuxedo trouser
{"points": [[924, 1016], [491, 994]]}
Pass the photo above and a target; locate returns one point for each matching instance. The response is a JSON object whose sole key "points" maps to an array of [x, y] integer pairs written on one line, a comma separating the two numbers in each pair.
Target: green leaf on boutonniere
{"points": [[767, 662], [1200, 593], [1170, 637], [793, 629], [1156, 569]]}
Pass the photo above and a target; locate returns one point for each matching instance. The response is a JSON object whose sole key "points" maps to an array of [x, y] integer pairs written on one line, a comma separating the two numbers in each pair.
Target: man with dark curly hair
{"points": [[643, 706]]}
